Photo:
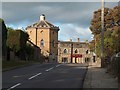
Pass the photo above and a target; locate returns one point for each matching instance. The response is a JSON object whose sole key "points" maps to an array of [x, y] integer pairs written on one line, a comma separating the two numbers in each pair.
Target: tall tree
{"points": [[112, 30], [16, 41]]}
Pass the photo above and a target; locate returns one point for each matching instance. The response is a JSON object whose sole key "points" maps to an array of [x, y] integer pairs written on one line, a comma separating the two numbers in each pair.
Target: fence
{"points": [[114, 67]]}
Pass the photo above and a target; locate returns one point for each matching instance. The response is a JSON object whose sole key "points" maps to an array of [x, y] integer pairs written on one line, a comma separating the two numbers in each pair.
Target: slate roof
{"points": [[43, 24]]}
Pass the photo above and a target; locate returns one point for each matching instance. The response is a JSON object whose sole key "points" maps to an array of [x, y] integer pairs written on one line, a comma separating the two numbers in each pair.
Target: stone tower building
{"points": [[44, 35]]}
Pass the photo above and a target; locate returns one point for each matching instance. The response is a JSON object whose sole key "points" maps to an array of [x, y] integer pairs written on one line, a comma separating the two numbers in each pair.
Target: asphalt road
{"points": [[45, 76]]}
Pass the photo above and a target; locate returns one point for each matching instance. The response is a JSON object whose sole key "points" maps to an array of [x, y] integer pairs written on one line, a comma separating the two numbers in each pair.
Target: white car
{"points": [[118, 54]]}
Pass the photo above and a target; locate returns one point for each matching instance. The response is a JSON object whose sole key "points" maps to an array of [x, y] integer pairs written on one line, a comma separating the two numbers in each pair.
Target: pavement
{"points": [[97, 77]]}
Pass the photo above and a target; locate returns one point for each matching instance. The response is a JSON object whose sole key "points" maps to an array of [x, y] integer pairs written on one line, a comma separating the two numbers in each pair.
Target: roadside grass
{"points": [[7, 65]]}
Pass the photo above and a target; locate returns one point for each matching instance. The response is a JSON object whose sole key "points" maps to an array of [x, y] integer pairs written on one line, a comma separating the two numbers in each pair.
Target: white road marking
{"points": [[14, 86], [57, 65], [49, 69], [34, 76]]}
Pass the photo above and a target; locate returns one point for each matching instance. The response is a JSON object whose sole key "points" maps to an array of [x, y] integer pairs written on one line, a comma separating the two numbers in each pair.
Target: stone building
{"points": [[44, 35], [73, 52]]}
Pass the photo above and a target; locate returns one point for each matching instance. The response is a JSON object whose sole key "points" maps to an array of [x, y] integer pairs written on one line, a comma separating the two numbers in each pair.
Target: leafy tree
{"points": [[96, 21], [92, 46], [29, 51], [112, 30], [16, 39]]}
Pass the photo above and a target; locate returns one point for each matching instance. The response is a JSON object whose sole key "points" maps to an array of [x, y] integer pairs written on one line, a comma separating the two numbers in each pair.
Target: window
{"points": [[65, 51], [42, 43], [76, 51], [41, 31], [30, 31], [87, 52]]}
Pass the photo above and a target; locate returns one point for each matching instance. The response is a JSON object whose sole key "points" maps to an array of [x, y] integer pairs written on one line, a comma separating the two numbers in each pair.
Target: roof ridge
{"points": [[49, 23], [46, 23]]}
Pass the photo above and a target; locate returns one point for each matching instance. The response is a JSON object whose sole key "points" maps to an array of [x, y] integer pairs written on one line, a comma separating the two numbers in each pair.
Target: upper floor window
{"points": [[65, 51], [87, 52], [42, 43], [76, 51], [41, 32]]}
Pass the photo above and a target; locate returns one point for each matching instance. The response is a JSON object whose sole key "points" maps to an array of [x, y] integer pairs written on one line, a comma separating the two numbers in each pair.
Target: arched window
{"points": [[42, 43], [87, 52], [76, 51], [65, 51]]}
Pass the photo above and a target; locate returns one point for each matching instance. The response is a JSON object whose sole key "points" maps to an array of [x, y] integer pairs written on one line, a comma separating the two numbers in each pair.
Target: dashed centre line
{"points": [[14, 86], [57, 65], [49, 69], [34, 76]]}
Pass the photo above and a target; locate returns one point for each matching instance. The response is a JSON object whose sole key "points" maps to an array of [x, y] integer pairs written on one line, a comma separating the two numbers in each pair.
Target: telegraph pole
{"points": [[102, 34], [71, 51]]}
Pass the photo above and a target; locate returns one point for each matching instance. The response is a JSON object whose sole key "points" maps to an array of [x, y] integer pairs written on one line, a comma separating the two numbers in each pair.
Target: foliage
{"points": [[16, 39], [111, 33], [29, 51], [6, 65], [92, 46], [96, 21]]}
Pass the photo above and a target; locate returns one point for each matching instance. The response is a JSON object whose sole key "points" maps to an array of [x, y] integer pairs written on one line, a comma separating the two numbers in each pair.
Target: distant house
{"points": [[73, 52], [44, 35]]}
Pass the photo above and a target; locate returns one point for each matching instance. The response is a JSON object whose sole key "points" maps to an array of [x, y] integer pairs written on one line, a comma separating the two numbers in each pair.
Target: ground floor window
{"points": [[64, 59], [87, 59]]}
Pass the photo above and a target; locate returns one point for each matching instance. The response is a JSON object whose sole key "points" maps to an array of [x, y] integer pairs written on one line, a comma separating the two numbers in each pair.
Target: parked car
{"points": [[118, 55]]}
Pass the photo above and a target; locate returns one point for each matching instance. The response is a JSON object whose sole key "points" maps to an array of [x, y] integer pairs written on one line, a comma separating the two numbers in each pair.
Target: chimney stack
{"points": [[78, 39], [70, 40]]}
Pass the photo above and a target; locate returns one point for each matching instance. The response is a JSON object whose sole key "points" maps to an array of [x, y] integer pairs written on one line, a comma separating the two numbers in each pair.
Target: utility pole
{"points": [[102, 34], [71, 51], [119, 3]]}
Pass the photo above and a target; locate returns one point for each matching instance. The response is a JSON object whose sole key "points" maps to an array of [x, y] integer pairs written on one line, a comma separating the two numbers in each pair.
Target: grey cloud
{"points": [[59, 1], [0, 9], [78, 14]]}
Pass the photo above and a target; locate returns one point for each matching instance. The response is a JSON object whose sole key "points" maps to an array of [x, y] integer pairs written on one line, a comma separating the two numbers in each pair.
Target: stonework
{"points": [[73, 52], [44, 35]]}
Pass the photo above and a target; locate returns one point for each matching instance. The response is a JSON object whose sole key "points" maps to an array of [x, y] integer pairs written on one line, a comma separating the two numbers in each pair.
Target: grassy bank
{"points": [[6, 65]]}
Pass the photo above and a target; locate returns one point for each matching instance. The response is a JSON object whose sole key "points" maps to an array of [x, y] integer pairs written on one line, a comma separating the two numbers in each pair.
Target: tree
{"points": [[96, 21], [112, 30], [92, 46], [16, 41], [29, 51]]}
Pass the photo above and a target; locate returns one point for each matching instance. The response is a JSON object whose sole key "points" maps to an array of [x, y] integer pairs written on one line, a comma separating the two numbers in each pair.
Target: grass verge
{"points": [[7, 65]]}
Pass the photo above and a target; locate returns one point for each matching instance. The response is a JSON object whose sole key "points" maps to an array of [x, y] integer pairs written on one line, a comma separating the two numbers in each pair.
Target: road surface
{"points": [[50, 75]]}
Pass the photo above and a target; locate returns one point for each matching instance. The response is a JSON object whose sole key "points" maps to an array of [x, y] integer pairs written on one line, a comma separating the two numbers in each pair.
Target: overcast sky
{"points": [[73, 18]]}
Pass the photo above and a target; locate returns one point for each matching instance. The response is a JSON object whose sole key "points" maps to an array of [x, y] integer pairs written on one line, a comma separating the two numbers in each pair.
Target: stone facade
{"points": [[44, 35], [73, 52]]}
